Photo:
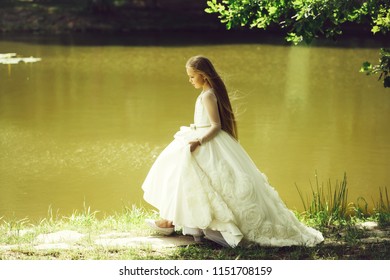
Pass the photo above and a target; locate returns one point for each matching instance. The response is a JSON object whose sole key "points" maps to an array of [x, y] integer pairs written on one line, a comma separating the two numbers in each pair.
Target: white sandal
{"points": [[164, 231], [195, 232]]}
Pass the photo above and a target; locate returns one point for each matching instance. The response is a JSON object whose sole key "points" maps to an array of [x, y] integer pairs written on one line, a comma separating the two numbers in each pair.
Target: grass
{"points": [[328, 205], [327, 209], [23, 231], [382, 210]]}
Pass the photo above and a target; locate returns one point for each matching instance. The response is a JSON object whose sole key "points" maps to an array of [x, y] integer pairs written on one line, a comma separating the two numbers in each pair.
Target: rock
{"points": [[63, 236], [153, 241], [368, 225], [112, 235], [53, 246]]}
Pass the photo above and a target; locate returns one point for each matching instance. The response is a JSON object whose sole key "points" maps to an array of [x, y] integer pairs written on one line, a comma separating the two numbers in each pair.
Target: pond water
{"points": [[84, 125]]}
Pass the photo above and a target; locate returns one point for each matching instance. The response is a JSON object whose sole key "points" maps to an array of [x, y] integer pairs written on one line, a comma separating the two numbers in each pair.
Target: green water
{"points": [[85, 124]]}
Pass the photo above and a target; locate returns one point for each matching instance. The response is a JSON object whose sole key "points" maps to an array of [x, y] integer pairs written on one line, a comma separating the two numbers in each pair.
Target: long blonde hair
{"points": [[204, 66]]}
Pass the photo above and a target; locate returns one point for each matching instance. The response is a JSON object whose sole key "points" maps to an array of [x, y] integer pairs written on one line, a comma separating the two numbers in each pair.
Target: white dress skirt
{"points": [[218, 187]]}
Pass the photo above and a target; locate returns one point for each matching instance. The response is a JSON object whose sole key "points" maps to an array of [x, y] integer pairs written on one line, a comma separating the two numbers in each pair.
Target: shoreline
{"points": [[53, 18], [125, 236], [168, 25]]}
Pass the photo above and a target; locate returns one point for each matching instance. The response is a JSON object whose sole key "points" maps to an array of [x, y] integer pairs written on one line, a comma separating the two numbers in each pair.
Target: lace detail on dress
{"points": [[261, 219], [221, 210]]}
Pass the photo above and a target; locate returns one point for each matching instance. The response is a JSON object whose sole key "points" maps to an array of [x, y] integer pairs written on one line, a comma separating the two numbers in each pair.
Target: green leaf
{"points": [[366, 67], [272, 10], [375, 29]]}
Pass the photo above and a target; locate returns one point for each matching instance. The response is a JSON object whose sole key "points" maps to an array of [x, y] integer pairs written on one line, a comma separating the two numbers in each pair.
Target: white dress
{"points": [[218, 187]]}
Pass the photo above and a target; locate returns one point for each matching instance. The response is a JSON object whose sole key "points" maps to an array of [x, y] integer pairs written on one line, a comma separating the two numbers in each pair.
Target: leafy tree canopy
{"points": [[305, 20]]}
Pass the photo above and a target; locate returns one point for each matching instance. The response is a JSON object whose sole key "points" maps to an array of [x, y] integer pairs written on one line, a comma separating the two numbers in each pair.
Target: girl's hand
{"points": [[194, 144]]}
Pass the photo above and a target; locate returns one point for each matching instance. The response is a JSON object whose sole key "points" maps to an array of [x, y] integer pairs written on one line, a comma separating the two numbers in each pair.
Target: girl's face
{"points": [[195, 78]]}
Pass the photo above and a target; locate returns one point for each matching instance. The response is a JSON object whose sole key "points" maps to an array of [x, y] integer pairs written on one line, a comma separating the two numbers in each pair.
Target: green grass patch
{"points": [[328, 206], [382, 209]]}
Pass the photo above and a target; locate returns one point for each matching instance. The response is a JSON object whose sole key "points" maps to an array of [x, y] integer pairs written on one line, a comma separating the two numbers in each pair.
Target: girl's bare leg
{"points": [[164, 223], [162, 226]]}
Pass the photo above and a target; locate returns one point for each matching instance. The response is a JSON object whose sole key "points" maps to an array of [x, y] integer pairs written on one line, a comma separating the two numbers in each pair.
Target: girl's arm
{"points": [[209, 101]]}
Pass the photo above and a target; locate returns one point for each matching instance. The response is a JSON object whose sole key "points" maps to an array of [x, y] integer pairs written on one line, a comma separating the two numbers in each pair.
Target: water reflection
{"points": [[12, 58], [86, 122]]}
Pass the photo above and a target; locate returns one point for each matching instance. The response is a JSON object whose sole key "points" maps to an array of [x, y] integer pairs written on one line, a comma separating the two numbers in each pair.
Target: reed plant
{"points": [[328, 205], [382, 208]]}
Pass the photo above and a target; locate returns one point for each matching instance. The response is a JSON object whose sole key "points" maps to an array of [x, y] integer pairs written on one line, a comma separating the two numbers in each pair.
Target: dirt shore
{"points": [[370, 242]]}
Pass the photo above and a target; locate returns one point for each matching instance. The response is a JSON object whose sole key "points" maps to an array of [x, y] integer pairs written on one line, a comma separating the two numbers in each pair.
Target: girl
{"points": [[205, 183]]}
